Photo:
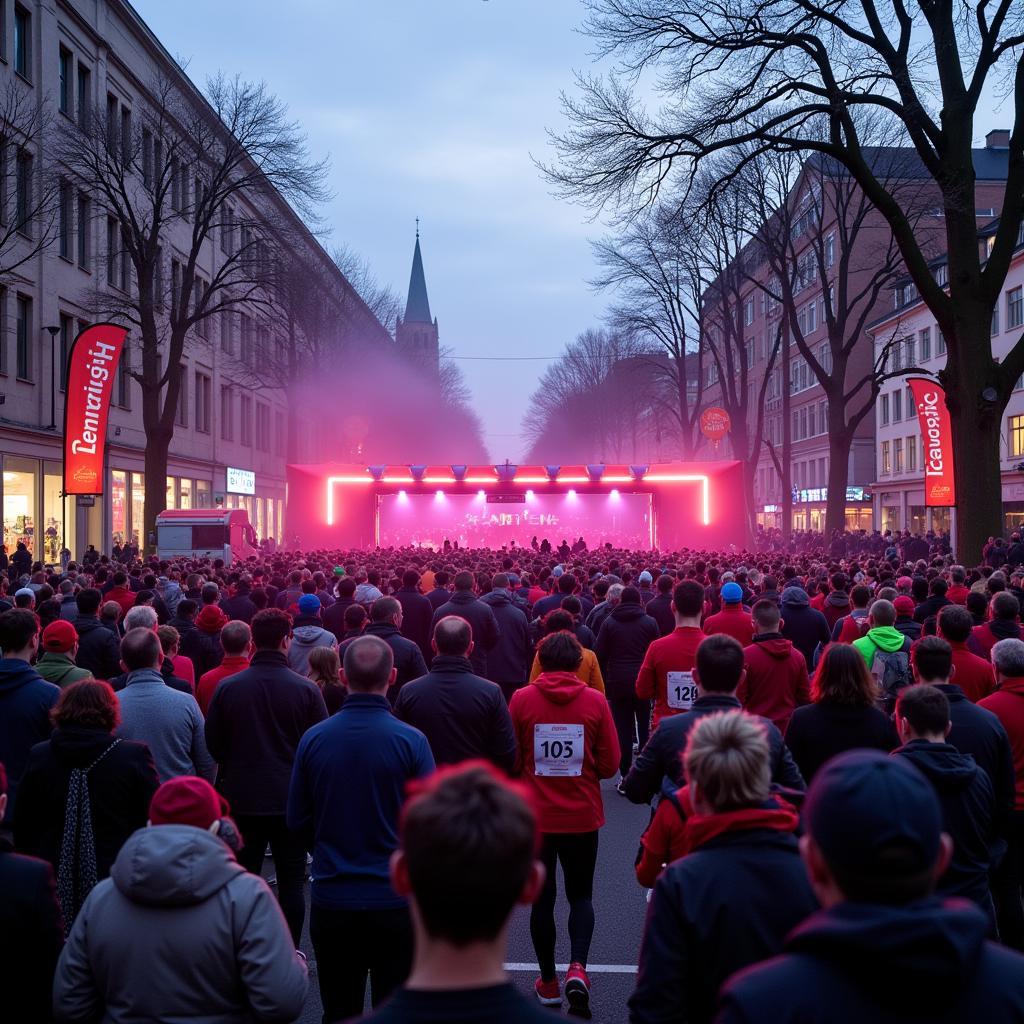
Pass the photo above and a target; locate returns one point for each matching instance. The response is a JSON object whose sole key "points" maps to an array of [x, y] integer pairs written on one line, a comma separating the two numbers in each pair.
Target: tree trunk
{"points": [[787, 444], [840, 442], [157, 447]]}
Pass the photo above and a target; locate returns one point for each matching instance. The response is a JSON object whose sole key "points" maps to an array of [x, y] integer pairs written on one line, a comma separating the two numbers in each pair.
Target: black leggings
{"points": [[577, 853], [632, 718]]}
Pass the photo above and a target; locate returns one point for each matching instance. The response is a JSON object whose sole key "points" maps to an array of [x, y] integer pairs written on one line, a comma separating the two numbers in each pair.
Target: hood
{"points": [[628, 612], [310, 636], [931, 946], [15, 673], [211, 619], [559, 687], [946, 768], [888, 638], [795, 597], [497, 598], [838, 599], [775, 646], [173, 866]]}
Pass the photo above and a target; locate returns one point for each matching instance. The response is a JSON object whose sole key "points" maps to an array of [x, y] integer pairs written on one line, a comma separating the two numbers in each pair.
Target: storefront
{"points": [[34, 513], [905, 509], [265, 513], [809, 509]]}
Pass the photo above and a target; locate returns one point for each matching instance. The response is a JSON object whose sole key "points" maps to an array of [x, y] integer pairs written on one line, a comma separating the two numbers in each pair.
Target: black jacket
{"points": [[31, 936], [858, 962], [509, 661], [438, 596], [662, 757], [183, 626], [727, 905], [462, 715], [804, 625], [417, 612], [253, 727], [239, 607], [968, 807], [817, 732], [660, 609], [166, 670], [480, 617], [409, 661], [334, 617], [909, 628], [204, 649], [621, 646], [98, 648], [930, 606], [120, 789]]}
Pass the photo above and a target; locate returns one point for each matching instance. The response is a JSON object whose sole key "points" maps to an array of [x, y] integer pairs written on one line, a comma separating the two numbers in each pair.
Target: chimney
{"points": [[998, 138]]}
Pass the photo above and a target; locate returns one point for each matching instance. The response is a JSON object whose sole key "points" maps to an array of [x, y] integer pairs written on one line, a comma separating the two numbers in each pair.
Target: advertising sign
{"points": [[92, 365], [936, 442], [715, 423], [241, 481]]}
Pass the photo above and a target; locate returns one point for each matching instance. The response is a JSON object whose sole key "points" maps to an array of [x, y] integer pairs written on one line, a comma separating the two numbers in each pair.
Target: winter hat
{"points": [[732, 593], [59, 636], [211, 619], [23, 591], [863, 802], [339, 570], [557, 571], [309, 604], [904, 583], [187, 800], [904, 605], [645, 577]]}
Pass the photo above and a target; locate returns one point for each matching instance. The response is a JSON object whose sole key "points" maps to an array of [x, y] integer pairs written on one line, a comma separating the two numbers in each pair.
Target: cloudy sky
{"points": [[431, 109]]}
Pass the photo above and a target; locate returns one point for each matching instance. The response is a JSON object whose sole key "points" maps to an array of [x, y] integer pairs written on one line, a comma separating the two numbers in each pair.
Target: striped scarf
{"points": [[76, 867]]}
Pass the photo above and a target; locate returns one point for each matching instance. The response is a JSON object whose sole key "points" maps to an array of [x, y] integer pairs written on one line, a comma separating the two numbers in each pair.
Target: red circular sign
{"points": [[715, 423]]}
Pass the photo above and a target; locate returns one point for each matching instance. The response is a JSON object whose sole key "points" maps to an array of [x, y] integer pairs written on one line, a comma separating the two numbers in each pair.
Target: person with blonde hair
{"points": [[325, 671], [739, 885]]}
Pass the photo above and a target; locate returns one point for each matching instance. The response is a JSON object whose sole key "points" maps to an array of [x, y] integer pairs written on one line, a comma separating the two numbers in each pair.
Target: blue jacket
{"points": [[25, 702], [858, 962], [346, 793]]}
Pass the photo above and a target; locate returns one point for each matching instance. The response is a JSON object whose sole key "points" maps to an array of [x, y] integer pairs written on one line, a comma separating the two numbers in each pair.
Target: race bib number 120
{"points": [[682, 691], [558, 750]]}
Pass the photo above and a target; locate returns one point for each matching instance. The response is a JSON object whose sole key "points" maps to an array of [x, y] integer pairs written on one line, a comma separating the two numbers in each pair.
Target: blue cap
{"points": [[732, 593], [309, 604], [864, 801], [557, 571]]}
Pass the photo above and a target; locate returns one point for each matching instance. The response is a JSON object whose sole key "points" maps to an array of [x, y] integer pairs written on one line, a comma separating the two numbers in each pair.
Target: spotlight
{"points": [[417, 472], [438, 495], [506, 472], [530, 495], [376, 472], [595, 472], [639, 472], [481, 495], [402, 496], [552, 472], [614, 494], [459, 472], [571, 495]]}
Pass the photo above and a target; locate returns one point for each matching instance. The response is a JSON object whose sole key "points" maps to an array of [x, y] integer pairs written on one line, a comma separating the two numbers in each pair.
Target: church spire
{"points": [[417, 306]]}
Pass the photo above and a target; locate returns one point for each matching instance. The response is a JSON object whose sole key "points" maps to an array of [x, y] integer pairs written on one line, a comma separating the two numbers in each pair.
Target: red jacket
{"points": [[123, 596], [958, 594], [1007, 704], [549, 715], [209, 681], [733, 620], [972, 674], [776, 681], [676, 652], [986, 638]]}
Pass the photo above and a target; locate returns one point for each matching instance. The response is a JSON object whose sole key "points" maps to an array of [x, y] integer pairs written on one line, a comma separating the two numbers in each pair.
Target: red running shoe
{"points": [[548, 992], [577, 991]]}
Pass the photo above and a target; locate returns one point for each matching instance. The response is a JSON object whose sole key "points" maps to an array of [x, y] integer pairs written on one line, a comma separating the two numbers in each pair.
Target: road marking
{"points": [[591, 968]]}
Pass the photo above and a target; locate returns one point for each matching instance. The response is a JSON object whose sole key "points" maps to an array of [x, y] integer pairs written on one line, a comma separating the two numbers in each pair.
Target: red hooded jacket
{"points": [[551, 716], [1007, 704], [734, 621], [776, 681], [974, 675], [676, 652]]}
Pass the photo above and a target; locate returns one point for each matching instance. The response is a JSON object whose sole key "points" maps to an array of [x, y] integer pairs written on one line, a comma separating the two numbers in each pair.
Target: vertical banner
{"points": [[936, 442], [92, 366]]}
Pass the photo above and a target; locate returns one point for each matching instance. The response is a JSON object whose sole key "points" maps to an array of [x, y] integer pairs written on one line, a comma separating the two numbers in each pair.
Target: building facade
{"points": [[73, 58]]}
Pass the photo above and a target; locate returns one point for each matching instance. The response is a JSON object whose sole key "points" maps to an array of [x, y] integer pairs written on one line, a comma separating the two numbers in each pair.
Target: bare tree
{"points": [[737, 73], [181, 180], [382, 300]]}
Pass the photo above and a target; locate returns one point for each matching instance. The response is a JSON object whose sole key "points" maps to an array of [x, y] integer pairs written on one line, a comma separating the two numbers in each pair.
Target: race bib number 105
{"points": [[558, 750], [682, 691]]}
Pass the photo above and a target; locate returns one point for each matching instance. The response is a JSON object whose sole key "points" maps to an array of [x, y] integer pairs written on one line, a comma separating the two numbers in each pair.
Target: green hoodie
{"points": [[886, 638], [60, 669]]}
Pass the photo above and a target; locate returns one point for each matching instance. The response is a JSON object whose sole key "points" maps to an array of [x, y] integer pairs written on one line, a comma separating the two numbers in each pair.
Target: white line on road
{"points": [[591, 968]]}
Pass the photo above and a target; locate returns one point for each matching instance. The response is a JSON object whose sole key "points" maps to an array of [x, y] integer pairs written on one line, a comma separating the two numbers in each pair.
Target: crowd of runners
{"points": [[829, 733]]}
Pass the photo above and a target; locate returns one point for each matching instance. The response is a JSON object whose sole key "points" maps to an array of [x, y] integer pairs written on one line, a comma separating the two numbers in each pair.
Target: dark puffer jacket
{"points": [[621, 646]]}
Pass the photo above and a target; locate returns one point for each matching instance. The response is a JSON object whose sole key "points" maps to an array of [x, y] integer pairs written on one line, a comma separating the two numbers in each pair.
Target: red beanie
{"points": [[904, 605], [187, 800], [212, 619]]}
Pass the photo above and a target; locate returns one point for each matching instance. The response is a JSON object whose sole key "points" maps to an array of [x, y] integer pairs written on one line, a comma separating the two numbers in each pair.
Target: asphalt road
{"points": [[619, 907]]}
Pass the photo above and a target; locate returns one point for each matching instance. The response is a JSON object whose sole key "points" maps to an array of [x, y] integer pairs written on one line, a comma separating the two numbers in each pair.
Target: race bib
{"points": [[682, 691], [558, 750]]}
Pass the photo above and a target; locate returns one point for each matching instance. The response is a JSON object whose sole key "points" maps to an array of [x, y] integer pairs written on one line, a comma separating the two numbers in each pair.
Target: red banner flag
{"points": [[92, 364], [937, 442]]}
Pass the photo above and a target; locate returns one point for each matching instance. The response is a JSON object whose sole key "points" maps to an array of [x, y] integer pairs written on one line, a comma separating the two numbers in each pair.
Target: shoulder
{"points": [[21, 870]]}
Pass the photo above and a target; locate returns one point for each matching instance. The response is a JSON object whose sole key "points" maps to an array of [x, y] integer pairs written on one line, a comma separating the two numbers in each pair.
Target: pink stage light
{"points": [[481, 495], [574, 479], [439, 480], [530, 495], [615, 496], [571, 495], [403, 497], [439, 496]]}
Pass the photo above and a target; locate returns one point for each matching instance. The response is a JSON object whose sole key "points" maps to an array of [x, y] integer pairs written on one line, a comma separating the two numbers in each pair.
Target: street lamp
{"points": [[54, 331]]}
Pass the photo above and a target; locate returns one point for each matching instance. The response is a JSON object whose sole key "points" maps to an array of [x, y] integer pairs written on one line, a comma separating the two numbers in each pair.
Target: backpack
{"points": [[891, 670]]}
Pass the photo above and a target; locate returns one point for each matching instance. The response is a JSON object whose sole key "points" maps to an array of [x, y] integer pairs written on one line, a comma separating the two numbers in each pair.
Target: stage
{"points": [[666, 506]]}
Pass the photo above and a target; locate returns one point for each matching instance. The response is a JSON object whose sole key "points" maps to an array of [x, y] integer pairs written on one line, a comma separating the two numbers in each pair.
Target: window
{"points": [[112, 248], [886, 462], [124, 378], [22, 41], [1015, 307], [830, 249], [1015, 436], [158, 279], [123, 269], [64, 74], [748, 311], [908, 403], [925, 338], [227, 415], [227, 331], [896, 354], [83, 230], [280, 433], [23, 336], [82, 99], [262, 427], [175, 287], [66, 328], [995, 319], [897, 406], [885, 409], [199, 292], [811, 430], [111, 123], [227, 229], [203, 385], [941, 274], [911, 454], [126, 136], [940, 343], [182, 417], [3, 317], [910, 348], [147, 157], [23, 193], [897, 455], [64, 220], [812, 318], [245, 352], [246, 424]]}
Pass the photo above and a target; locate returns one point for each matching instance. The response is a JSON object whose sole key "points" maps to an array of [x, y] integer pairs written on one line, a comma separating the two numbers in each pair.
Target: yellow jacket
{"points": [[589, 671]]}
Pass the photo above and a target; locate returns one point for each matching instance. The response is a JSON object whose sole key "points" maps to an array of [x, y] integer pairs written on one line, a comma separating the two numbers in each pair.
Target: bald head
{"points": [[883, 613], [453, 636], [369, 665]]}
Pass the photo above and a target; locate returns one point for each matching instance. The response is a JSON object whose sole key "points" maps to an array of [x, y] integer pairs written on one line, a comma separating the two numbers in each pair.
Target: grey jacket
{"points": [[304, 639], [180, 931], [169, 722]]}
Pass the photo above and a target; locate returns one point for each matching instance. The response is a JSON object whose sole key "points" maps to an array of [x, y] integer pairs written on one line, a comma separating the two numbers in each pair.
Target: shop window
{"points": [[20, 477], [118, 506], [1015, 436], [138, 505]]}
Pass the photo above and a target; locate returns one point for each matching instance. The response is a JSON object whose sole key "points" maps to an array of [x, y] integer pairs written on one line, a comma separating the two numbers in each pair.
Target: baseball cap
{"points": [[59, 636], [904, 605], [23, 591], [732, 593], [187, 800], [309, 604], [557, 571], [645, 577], [862, 802], [339, 570]]}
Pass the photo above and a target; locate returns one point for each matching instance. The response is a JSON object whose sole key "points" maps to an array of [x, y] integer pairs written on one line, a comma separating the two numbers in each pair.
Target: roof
{"points": [[903, 162], [417, 306]]}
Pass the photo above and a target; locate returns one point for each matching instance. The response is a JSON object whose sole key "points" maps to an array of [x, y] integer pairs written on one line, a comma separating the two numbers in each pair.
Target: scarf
{"points": [[775, 815], [76, 867]]}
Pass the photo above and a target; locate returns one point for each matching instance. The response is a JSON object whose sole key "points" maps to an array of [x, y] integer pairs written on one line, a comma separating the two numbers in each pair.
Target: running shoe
{"points": [[577, 991], [548, 992], [621, 787]]}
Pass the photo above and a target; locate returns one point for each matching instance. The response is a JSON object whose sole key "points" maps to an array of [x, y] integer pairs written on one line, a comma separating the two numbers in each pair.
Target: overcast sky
{"points": [[430, 108]]}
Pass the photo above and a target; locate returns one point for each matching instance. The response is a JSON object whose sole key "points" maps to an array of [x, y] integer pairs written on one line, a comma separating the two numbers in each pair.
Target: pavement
{"points": [[619, 908]]}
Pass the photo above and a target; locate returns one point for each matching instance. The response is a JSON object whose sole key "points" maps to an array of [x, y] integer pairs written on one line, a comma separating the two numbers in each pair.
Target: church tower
{"points": [[416, 334]]}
